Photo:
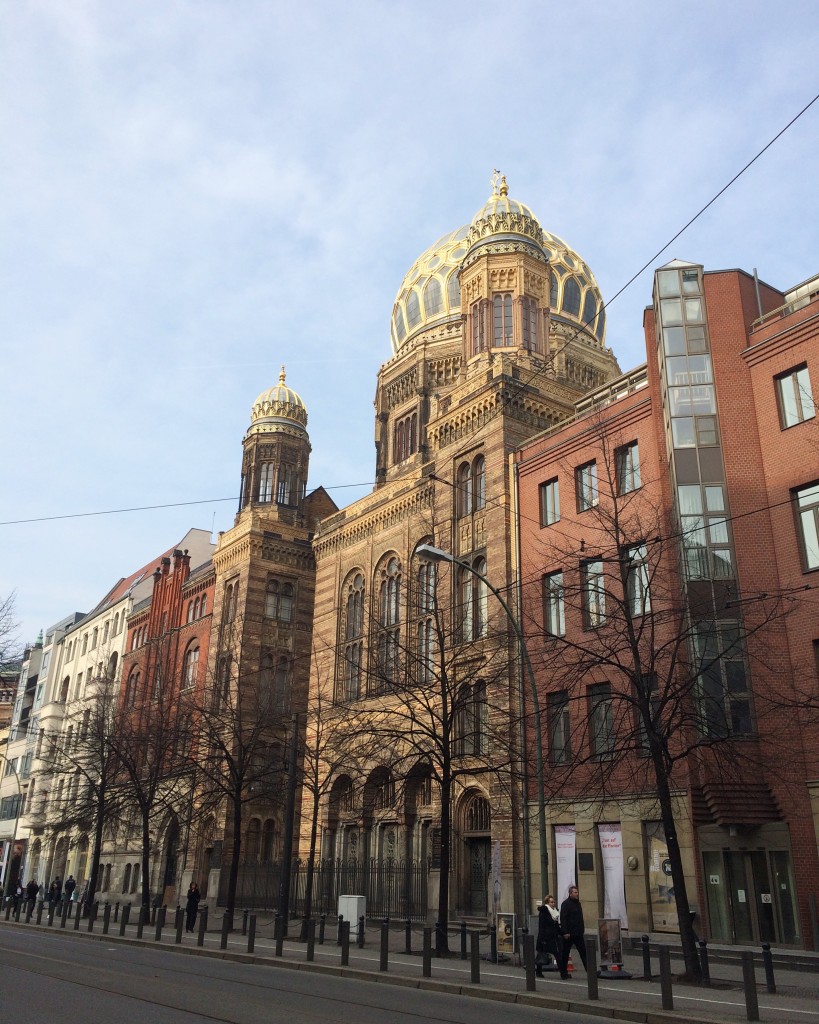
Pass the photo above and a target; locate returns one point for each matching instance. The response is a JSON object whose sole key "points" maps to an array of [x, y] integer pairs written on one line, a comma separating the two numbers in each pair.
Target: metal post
{"points": [[646, 958], [160, 921], [106, 919], [225, 931], [116, 912], [50, 914], [64, 915], [408, 937], [475, 955], [529, 962], [289, 824], [251, 934], [311, 939], [665, 978], [126, 914], [493, 944], [203, 927], [322, 922], [143, 913], [17, 909], [39, 918], [463, 941], [8, 908], [340, 926], [705, 969], [244, 921], [426, 966], [279, 935], [77, 917], [749, 984], [345, 943], [29, 910], [361, 932], [179, 921], [385, 946], [591, 967], [814, 919], [767, 961]]}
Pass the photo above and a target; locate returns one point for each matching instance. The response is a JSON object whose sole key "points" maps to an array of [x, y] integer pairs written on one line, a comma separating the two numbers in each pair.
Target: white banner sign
{"points": [[614, 888], [565, 843]]}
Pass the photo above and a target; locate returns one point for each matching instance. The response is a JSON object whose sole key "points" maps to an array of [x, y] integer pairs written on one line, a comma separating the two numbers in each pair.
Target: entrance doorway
{"points": [[479, 861], [751, 896], [477, 856]]}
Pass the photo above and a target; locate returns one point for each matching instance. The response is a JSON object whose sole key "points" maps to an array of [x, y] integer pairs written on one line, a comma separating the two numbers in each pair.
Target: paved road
{"points": [[60, 979]]}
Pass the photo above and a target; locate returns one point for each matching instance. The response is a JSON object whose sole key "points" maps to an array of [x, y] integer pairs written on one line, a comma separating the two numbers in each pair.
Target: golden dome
{"points": [[280, 407], [431, 295]]}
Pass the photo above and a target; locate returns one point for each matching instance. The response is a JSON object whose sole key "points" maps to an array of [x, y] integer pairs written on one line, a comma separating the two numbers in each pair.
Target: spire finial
{"points": [[504, 188], [281, 376], [495, 181]]}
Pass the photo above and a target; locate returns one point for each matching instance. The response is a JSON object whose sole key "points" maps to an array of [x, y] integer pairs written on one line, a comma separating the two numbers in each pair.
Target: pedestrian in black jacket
{"points": [[573, 928], [548, 934], [191, 906]]}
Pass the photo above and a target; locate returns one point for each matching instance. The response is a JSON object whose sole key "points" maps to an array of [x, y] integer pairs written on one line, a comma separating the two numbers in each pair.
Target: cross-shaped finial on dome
{"points": [[499, 186]]}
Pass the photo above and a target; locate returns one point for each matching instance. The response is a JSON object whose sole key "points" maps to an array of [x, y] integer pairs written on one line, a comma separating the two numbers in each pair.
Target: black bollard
{"points": [[143, 915], [767, 961], [345, 943], [153, 914], [340, 928], [278, 934], [705, 970], [463, 941], [18, 907], [77, 918], [475, 956], [64, 915], [311, 939], [50, 914], [225, 931], [322, 922], [529, 961], [493, 944], [408, 937], [385, 946], [160, 921], [426, 966], [591, 967], [179, 921], [126, 914], [646, 958], [39, 918], [106, 919], [303, 929], [116, 912], [244, 921], [251, 934], [665, 978], [203, 927], [749, 984], [361, 932]]}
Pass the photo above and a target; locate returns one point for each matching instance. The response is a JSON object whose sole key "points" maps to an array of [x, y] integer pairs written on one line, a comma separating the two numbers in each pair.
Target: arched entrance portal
{"points": [[477, 859], [170, 858]]}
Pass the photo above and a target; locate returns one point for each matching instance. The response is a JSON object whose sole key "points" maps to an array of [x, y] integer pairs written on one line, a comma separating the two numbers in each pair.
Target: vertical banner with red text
{"points": [[565, 846], [614, 887]]}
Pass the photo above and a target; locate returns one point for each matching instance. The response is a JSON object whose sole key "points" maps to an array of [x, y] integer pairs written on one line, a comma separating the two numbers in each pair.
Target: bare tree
{"points": [[642, 646], [9, 638]]}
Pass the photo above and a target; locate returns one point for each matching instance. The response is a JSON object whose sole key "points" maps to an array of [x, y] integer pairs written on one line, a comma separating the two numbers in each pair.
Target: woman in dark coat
{"points": [[548, 934], [192, 906]]}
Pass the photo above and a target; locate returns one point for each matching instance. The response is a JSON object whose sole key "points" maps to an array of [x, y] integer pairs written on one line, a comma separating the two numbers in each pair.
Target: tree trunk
{"points": [[146, 854], [687, 937], [236, 854], [93, 883], [442, 931]]}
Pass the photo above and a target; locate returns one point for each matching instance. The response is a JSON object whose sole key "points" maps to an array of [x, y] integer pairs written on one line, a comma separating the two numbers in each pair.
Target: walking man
{"points": [[573, 928]]}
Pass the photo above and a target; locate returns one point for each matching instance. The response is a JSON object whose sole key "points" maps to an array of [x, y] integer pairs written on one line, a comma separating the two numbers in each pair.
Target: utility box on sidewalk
{"points": [[351, 908]]}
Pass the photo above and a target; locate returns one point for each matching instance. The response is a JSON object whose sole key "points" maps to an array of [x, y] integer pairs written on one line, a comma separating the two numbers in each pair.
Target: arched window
{"points": [[472, 595], [268, 833], [413, 310], [190, 611], [405, 438], [389, 624], [433, 297], [107, 884], [230, 602], [64, 690], [530, 314], [135, 878], [571, 297], [479, 315], [398, 320], [266, 471], [279, 601], [94, 637], [589, 309], [453, 290], [601, 324], [479, 483], [254, 830], [502, 317], [116, 624], [112, 665], [553, 291], [105, 629], [353, 633], [470, 719], [425, 581], [190, 666], [464, 490], [477, 817], [287, 488], [203, 607], [131, 688], [126, 878]]}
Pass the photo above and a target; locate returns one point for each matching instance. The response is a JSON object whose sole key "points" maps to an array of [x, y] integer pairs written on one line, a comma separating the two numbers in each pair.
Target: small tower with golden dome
{"points": [[276, 454]]}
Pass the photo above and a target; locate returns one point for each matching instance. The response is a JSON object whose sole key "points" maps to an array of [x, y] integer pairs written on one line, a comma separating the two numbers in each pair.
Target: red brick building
{"points": [[669, 560]]}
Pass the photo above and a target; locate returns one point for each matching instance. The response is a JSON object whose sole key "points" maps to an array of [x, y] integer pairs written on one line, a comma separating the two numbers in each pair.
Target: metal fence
{"points": [[393, 888]]}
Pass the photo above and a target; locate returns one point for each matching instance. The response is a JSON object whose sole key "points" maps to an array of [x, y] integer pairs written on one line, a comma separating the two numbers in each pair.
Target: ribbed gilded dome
{"points": [[278, 407], [431, 295]]}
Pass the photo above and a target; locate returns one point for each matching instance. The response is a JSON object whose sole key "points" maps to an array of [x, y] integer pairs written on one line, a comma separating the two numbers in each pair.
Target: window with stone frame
{"points": [[352, 632]]}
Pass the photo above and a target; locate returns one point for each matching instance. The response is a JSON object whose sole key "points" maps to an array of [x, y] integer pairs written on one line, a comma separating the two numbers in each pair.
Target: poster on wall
{"points": [[660, 886], [614, 886], [565, 845]]}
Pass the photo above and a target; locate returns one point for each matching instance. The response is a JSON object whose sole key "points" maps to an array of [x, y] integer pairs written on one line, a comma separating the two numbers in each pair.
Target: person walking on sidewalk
{"points": [[572, 928], [192, 906], [548, 934]]}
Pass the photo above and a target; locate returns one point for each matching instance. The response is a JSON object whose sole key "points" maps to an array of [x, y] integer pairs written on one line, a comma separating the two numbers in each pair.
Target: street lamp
{"points": [[439, 555]]}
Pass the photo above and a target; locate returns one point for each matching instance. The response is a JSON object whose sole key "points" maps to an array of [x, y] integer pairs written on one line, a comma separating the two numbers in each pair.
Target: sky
{"points": [[195, 192]]}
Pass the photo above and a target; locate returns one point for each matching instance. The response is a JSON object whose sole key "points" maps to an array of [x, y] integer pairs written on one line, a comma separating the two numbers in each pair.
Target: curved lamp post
{"points": [[439, 555]]}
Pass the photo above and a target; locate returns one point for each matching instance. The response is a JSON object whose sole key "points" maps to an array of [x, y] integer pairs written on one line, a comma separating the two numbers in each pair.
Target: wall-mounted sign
{"points": [[714, 879]]}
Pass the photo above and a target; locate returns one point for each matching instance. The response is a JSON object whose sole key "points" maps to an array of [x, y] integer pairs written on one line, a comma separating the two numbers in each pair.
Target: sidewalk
{"points": [[796, 998]]}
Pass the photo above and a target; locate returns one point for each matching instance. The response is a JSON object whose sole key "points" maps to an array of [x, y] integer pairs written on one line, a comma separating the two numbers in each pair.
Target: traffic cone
{"points": [[570, 966]]}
